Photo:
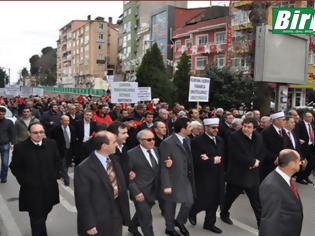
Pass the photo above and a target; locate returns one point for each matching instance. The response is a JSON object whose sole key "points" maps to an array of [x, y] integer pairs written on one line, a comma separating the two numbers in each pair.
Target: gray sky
{"points": [[28, 26]]}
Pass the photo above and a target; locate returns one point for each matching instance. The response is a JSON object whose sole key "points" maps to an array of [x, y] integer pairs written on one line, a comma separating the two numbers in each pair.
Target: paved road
{"points": [[62, 220]]}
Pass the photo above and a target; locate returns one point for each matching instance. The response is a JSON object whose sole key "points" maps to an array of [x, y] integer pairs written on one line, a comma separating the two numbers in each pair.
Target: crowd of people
{"points": [[200, 158]]}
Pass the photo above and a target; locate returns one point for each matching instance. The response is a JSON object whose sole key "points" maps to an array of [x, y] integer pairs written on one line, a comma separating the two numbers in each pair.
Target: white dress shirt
{"points": [[86, 135], [147, 156], [283, 175]]}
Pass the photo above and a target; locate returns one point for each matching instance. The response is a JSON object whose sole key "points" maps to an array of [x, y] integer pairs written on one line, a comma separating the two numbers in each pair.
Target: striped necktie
{"points": [[112, 177]]}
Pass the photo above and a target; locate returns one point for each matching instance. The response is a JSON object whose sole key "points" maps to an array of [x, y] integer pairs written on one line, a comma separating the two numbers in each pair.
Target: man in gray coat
{"points": [[282, 212], [144, 162], [177, 177]]}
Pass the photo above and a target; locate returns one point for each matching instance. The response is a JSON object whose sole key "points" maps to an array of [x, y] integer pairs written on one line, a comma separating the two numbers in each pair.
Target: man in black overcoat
{"points": [[246, 152], [207, 150], [35, 164]]}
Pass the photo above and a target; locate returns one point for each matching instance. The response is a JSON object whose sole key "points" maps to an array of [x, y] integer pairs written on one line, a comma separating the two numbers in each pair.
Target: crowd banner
{"points": [[2, 92], [144, 94], [199, 89], [12, 91], [38, 92], [124, 92], [26, 91]]}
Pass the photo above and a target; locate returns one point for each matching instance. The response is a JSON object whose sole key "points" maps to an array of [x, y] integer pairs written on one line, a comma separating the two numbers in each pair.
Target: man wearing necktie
{"points": [[275, 139], [177, 177], [144, 188], [100, 192], [282, 211], [65, 136], [305, 134]]}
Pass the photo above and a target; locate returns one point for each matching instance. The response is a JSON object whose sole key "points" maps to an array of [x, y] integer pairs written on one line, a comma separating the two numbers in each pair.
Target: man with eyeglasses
{"points": [[35, 164], [22, 123], [144, 188], [246, 153], [7, 139], [207, 150]]}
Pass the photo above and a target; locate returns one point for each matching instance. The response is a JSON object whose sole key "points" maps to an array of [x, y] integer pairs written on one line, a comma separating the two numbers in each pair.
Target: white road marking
{"points": [[8, 220], [242, 225], [67, 205], [63, 201]]}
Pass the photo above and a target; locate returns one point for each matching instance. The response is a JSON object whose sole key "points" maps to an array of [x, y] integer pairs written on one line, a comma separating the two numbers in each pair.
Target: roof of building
{"points": [[204, 24]]}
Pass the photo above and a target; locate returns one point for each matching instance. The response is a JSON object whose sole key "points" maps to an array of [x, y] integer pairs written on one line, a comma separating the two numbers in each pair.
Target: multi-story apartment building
{"points": [[242, 44], [204, 39], [87, 51], [135, 31]]}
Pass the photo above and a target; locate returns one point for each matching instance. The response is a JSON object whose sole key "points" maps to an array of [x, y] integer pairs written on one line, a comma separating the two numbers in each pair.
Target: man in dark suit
{"points": [[74, 115], [35, 164], [148, 121], [282, 211], [65, 137], [100, 191], [177, 177], [207, 150], [121, 130], [144, 188], [275, 139], [85, 129], [246, 153], [305, 133]]}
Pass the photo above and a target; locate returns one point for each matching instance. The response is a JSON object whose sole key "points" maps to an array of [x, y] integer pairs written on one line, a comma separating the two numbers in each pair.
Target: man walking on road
{"points": [[7, 139], [35, 164]]}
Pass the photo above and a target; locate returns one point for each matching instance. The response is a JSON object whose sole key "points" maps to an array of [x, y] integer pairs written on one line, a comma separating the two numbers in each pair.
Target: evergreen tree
{"points": [[181, 80], [229, 89], [4, 78], [152, 73]]}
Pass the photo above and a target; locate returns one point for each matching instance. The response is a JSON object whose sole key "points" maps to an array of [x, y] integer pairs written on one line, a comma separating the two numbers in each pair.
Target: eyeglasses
{"points": [[149, 139], [38, 132], [214, 127]]}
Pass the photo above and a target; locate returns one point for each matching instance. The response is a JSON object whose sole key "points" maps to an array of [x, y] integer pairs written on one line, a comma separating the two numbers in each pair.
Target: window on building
{"points": [[202, 39], [128, 51], [101, 26], [188, 42], [220, 37], [128, 37], [311, 57], [177, 43], [100, 46], [201, 63], [87, 28], [220, 61], [128, 11], [125, 41], [100, 36], [128, 26]]}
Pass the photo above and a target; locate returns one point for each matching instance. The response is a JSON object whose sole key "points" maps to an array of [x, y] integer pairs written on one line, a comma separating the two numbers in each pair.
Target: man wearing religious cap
{"points": [[246, 152], [207, 150], [275, 139]]}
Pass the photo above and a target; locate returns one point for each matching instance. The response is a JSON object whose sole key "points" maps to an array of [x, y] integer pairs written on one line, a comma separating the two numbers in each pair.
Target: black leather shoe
{"points": [[171, 232], [309, 181], [134, 231], [226, 219], [301, 181], [3, 181], [182, 228], [192, 220], [212, 228]]}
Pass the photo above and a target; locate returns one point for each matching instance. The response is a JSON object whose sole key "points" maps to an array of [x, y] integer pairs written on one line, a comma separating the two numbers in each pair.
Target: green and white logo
{"points": [[293, 21]]}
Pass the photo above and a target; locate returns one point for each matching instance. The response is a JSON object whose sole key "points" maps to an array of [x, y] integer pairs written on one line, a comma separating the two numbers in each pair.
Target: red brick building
{"points": [[205, 38]]}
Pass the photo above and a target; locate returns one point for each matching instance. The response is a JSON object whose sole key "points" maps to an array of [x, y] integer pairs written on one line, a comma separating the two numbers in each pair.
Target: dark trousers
{"points": [[38, 224], [170, 210], [233, 191], [310, 157], [65, 163], [143, 217], [118, 221], [210, 217]]}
